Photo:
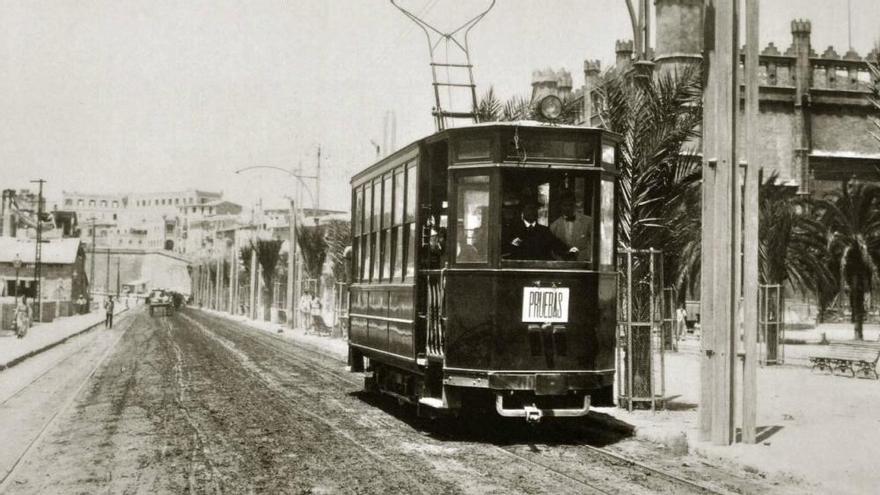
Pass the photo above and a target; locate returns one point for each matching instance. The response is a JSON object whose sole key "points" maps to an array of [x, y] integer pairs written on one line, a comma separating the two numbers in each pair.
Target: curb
{"points": [[13, 362]]}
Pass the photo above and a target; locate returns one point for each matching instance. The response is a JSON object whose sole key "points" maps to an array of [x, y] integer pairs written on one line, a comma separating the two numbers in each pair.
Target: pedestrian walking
{"points": [[108, 308], [81, 305], [305, 310], [315, 310], [680, 323], [22, 317]]}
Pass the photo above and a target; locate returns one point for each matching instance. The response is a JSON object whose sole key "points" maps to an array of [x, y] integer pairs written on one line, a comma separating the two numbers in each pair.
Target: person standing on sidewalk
{"points": [[317, 323], [305, 310], [22, 317], [108, 307], [81, 305]]}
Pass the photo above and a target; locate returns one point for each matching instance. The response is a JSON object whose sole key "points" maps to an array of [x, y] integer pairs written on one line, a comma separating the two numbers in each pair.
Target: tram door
{"points": [[434, 220]]}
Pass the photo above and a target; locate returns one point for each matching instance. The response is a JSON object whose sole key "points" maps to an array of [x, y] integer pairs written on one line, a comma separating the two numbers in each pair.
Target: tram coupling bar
{"points": [[533, 414]]}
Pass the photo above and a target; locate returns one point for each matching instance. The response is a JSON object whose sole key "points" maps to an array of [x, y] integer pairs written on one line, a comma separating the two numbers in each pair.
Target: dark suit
{"points": [[537, 243]]}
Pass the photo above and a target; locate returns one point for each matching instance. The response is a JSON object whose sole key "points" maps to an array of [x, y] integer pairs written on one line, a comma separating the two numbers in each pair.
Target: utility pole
{"points": [[117, 276], [291, 266], [720, 252], [39, 250], [318, 183], [750, 230], [107, 275], [92, 269]]}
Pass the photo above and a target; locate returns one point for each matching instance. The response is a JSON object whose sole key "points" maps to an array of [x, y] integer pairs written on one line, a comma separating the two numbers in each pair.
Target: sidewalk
{"points": [[821, 429], [44, 336]]}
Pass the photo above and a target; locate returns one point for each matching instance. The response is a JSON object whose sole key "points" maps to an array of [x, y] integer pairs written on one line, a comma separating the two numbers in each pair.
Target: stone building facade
{"points": [[815, 110]]}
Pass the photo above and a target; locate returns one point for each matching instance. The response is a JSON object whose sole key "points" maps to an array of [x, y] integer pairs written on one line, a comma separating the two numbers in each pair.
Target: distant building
{"points": [[144, 220], [64, 276], [815, 115]]}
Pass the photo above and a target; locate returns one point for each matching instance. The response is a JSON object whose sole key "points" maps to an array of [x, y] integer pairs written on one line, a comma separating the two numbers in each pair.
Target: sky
{"points": [[157, 95]]}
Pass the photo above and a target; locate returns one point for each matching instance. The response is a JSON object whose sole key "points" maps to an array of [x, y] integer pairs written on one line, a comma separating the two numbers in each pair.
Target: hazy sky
{"points": [[122, 95]]}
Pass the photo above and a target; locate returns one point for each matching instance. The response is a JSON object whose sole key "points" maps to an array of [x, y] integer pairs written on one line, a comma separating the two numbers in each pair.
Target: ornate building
{"points": [[815, 111]]}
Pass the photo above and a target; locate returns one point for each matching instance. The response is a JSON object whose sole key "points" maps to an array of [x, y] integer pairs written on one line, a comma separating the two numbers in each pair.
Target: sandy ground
{"points": [[816, 429], [191, 403]]}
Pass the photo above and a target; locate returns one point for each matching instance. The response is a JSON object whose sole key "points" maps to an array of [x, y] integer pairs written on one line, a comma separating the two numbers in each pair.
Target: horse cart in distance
{"points": [[159, 299]]}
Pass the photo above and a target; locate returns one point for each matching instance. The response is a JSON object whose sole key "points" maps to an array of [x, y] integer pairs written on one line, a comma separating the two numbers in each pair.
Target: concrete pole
{"points": [[219, 283], [291, 263], [233, 269], [707, 271], [254, 287], [723, 83], [750, 230]]}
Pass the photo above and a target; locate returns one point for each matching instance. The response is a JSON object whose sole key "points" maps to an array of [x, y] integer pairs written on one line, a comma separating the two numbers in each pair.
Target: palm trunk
{"points": [[857, 304]]}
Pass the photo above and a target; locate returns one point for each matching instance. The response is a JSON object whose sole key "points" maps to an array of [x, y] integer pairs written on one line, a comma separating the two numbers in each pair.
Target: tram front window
{"points": [[472, 229], [547, 216]]}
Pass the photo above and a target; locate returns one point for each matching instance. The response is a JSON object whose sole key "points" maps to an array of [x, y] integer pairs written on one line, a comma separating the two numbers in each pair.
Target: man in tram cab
{"points": [[574, 228], [529, 240]]}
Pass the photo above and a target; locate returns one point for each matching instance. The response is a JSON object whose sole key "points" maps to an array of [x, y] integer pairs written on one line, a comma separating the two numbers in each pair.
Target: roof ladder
{"points": [[454, 81]]}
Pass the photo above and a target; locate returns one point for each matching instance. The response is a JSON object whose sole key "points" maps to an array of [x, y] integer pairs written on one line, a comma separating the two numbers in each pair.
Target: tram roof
{"points": [[528, 124]]}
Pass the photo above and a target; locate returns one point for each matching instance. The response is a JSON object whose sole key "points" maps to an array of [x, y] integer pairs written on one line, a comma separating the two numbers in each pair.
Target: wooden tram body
{"points": [[445, 324]]}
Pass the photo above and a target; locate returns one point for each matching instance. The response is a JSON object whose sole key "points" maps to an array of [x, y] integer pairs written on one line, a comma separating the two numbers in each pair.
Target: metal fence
{"points": [[645, 320]]}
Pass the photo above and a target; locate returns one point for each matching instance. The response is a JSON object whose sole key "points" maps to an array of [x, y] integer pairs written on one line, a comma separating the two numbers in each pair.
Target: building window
{"points": [[103, 203], [68, 202], [116, 204], [91, 202], [79, 202]]}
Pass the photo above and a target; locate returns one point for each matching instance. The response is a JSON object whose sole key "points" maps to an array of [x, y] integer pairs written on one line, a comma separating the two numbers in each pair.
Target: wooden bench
{"points": [[853, 357]]}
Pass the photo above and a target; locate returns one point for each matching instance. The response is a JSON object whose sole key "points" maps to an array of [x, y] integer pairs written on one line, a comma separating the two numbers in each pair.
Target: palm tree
{"points": [[792, 240], [313, 247], [491, 109], [268, 253], [338, 239], [853, 219], [659, 171]]}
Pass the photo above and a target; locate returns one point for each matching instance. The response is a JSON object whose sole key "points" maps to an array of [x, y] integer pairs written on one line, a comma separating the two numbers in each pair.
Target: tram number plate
{"points": [[545, 305]]}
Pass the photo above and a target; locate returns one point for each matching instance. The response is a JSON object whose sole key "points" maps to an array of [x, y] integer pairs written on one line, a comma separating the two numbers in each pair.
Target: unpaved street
{"points": [[191, 403]]}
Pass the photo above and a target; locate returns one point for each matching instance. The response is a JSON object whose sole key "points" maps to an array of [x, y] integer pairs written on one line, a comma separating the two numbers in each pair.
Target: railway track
{"points": [[66, 404], [675, 484]]}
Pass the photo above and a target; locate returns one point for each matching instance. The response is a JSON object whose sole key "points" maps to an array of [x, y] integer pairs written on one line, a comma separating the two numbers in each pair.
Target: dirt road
{"points": [[191, 403]]}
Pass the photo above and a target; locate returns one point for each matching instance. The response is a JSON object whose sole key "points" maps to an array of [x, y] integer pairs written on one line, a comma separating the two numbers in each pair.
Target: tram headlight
{"points": [[550, 107]]}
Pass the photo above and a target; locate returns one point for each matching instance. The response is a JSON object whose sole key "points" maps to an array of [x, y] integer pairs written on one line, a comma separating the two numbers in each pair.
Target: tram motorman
{"points": [[529, 240], [574, 228]]}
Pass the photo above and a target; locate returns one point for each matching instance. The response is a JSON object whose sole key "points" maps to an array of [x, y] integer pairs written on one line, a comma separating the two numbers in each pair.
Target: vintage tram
{"points": [[453, 304]]}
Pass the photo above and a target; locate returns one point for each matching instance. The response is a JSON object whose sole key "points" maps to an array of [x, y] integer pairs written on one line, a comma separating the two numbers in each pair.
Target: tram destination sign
{"points": [[545, 305]]}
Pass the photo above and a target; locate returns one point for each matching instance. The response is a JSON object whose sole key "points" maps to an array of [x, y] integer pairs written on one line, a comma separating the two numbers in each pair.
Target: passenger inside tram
{"points": [[530, 240], [574, 228]]}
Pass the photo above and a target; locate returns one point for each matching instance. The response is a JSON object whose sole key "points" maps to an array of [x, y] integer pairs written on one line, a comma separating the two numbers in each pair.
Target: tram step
{"points": [[432, 402]]}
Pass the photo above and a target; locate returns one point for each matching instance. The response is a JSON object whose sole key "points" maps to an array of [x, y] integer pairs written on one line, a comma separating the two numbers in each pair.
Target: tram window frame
{"points": [[387, 211], [375, 238], [607, 212], [366, 244], [399, 201], [551, 181], [410, 218], [486, 221]]}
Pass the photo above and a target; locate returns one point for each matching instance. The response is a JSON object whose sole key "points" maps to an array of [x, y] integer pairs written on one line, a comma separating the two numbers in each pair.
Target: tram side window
{"points": [[397, 224], [358, 231], [410, 219], [472, 216], [376, 238], [386, 227], [365, 237], [606, 224]]}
